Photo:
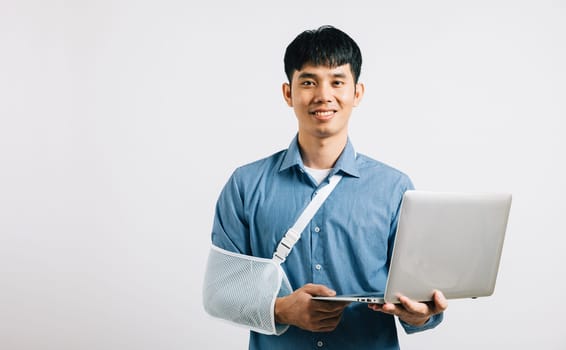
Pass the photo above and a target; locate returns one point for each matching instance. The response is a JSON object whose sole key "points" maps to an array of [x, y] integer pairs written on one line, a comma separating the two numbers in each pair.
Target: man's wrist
{"points": [[416, 324], [277, 312]]}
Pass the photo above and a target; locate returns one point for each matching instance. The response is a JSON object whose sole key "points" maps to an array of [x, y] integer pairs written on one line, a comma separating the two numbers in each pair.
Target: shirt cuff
{"points": [[432, 322]]}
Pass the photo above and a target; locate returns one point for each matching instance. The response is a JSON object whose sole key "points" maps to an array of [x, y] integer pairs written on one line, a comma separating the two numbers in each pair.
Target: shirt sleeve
{"points": [[230, 229], [432, 322]]}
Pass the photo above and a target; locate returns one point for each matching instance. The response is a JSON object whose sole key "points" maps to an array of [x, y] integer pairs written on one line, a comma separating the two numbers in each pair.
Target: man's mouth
{"points": [[323, 114]]}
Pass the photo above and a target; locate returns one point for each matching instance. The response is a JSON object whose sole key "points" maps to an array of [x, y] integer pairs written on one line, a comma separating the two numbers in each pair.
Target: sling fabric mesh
{"points": [[242, 289]]}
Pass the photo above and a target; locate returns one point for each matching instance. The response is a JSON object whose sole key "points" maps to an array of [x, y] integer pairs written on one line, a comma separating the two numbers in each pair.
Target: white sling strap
{"points": [[294, 233]]}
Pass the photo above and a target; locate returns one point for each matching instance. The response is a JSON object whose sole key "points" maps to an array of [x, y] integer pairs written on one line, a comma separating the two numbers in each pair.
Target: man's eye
{"points": [[307, 83], [338, 82]]}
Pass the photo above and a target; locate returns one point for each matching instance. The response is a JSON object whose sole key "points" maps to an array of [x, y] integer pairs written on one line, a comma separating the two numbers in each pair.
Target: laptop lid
{"points": [[446, 241]]}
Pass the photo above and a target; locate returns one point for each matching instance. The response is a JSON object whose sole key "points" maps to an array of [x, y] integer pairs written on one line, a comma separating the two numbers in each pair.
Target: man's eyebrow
{"points": [[307, 75], [339, 75]]}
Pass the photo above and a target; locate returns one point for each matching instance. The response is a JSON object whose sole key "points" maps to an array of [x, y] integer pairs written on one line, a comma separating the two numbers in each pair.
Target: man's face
{"points": [[323, 98]]}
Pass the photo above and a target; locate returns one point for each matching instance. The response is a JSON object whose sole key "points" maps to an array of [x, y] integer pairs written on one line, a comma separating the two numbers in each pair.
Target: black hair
{"points": [[325, 46]]}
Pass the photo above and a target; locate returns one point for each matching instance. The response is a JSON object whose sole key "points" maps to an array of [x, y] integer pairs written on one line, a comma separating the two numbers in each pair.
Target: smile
{"points": [[323, 115]]}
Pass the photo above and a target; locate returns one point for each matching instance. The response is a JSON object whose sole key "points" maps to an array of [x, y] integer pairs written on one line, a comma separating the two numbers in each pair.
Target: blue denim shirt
{"points": [[347, 245]]}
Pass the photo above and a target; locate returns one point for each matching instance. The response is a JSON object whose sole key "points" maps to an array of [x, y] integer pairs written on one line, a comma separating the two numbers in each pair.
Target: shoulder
{"points": [[266, 163], [375, 170], [247, 178], [259, 169]]}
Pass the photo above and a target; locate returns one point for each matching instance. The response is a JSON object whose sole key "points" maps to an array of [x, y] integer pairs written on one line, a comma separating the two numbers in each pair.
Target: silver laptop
{"points": [[446, 241]]}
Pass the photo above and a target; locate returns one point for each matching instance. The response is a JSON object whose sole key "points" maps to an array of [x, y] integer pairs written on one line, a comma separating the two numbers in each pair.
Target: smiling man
{"points": [[346, 247]]}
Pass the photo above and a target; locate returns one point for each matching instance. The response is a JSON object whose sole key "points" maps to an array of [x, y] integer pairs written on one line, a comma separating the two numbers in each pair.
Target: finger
{"points": [[328, 324], [329, 307], [391, 309], [375, 307], [327, 328], [440, 302], [414, 307], [318, 290], [326, 316]]}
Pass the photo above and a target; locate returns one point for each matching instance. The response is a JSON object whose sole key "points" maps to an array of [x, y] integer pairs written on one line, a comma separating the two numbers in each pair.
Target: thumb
{"points": [[440, 302], [318, 290]]}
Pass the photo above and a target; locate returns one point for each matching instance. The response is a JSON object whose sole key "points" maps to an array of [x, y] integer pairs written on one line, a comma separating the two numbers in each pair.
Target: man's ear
{"points": [[359, 94], [287, 94]]}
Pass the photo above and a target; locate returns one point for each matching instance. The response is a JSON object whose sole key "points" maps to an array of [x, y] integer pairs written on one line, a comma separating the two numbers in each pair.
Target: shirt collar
{"points": [[345, 163]]}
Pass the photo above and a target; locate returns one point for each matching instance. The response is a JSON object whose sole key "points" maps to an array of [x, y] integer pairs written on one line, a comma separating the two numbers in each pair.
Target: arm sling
{"points": [[242, 289]]}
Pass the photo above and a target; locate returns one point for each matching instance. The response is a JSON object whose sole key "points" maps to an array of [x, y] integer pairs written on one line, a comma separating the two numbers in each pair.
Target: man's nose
{"points": [[323, 93]]}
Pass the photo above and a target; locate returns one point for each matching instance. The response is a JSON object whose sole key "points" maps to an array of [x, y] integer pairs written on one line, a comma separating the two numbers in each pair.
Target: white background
{"points": [[122, 120]]}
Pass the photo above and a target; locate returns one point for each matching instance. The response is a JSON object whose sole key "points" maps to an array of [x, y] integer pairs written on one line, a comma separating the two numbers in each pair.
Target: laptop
{"points": [[446, 241]]}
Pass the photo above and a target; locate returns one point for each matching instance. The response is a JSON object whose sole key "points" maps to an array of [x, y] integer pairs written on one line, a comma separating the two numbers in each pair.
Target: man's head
{"points": [[325, 46], [323, 67]]}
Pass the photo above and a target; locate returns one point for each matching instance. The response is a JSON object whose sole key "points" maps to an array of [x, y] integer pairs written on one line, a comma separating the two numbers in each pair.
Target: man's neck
{"points": [[321, 153]]}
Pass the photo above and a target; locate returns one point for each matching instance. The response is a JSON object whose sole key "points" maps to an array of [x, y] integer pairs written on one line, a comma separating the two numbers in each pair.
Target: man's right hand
{"points": [[299, 309]]}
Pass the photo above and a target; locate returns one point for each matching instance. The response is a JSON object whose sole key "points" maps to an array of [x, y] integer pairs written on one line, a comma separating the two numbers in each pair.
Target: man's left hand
{"points": [[413, 312]]}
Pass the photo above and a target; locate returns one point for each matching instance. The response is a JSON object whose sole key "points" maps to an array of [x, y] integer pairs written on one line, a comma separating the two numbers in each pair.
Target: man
{"points": [[346, 247]]}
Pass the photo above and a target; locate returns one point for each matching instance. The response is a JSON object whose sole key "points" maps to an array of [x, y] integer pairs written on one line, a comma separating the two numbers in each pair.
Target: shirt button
{"points": [[317, 229], [317, 266], [320, 343]]}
